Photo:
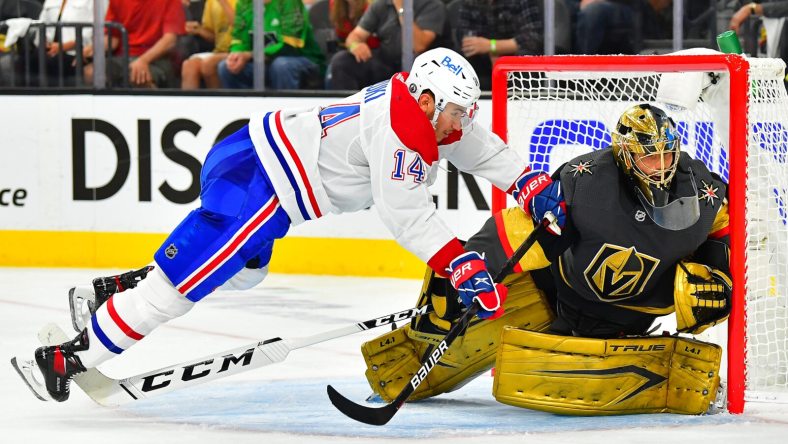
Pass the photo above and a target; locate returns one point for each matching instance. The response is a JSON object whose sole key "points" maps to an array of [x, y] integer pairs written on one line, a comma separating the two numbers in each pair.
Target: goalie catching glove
{"points": [[469, 275], [702, 297]]}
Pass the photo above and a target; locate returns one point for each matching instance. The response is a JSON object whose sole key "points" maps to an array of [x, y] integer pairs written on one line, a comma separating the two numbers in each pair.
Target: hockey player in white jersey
{"points": [[379, 146]]}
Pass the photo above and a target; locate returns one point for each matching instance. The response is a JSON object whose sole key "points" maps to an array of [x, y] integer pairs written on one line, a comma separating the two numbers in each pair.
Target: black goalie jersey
{"points": [[612, 270]]}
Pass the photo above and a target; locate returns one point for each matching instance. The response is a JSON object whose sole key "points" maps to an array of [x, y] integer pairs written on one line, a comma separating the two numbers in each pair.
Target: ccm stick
{"points": [[382, 415], [114, 392]]}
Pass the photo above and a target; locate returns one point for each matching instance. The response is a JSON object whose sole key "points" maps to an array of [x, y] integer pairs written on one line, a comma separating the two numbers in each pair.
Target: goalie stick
{"points": [[382, 415], [114, 392]]}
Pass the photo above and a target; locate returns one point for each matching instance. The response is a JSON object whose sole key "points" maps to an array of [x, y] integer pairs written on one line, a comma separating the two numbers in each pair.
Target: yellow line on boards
{"points": [[334, 256]]}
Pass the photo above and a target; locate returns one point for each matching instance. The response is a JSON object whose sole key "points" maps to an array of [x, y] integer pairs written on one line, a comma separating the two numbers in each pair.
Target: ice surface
{"points": [[287, 402]]}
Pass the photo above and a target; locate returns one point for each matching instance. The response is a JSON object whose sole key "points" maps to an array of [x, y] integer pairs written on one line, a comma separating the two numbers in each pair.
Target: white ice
{"points": [[286, 402]]}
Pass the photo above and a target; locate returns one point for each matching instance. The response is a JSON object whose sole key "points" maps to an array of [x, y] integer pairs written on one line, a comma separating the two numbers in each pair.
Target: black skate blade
{"points": [[26, 374]]}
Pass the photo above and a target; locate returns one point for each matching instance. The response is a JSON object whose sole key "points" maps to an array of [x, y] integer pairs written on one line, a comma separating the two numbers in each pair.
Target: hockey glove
{"points": [[702, 297], [537, 193], [469, 275]]}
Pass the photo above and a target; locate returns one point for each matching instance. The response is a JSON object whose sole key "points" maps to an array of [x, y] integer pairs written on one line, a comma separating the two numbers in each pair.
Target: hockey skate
{"points": [[49, 374], [83, 301]]}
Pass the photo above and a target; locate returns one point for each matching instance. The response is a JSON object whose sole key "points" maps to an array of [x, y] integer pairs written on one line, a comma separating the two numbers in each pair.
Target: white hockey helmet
{"points": [[450, 78]]}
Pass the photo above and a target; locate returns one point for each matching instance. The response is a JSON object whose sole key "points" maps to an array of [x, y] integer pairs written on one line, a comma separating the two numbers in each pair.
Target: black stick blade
{"points": [[369, 415]]}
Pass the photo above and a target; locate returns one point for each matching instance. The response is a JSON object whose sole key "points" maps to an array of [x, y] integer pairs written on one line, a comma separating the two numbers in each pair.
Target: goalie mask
{"points": [[452, 82], [646, 148]]}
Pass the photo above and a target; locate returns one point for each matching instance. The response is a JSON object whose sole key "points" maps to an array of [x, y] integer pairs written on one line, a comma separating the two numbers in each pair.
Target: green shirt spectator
{"points": [[287, 30], [292, 56]]}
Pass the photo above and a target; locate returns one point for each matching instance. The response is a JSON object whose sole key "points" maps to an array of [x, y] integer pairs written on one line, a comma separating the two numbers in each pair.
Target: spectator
{"points": [[657, 19], [775, 9], [216, 27], [609, 26], [770, 10], [63, 11], [491, 28], [292, 55], [597, 23], [361, 65], [345, 15], [153, 27], [11, 9], [189, 44], [16, 8]]}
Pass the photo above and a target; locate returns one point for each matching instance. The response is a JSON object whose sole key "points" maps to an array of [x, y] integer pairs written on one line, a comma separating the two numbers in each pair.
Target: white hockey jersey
{"points": [[375, 147]]}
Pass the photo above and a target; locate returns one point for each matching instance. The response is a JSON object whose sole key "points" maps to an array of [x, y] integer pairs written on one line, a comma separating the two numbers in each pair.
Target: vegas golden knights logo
{"points": [[618, 273]]}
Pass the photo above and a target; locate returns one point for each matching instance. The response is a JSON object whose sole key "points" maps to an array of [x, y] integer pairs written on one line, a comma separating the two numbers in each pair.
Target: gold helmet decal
{"points": [[618, 273], [646, 148]]}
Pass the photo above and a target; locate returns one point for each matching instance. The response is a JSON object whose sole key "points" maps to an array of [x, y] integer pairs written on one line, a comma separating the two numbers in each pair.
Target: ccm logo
{"points": [[407, 314], [195, 371]]}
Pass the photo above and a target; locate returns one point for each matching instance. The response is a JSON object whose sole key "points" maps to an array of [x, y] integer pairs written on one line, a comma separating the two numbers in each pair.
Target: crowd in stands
{"points": [[320, 44]]}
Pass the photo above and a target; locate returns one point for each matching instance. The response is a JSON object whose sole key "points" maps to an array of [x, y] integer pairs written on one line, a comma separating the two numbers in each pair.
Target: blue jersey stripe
{"points": [[104, 338], [285, 167]]}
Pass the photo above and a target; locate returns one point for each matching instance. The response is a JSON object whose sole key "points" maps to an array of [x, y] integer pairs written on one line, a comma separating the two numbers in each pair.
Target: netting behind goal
{"points": [[551, 109]]}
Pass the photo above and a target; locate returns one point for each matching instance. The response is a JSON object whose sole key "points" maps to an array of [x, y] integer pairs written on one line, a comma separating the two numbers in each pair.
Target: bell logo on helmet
{"points": [[456, 69]]}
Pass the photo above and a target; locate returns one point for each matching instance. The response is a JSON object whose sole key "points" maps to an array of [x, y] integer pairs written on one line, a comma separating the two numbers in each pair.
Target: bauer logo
{"points": [[456, 69], [424, 370]]}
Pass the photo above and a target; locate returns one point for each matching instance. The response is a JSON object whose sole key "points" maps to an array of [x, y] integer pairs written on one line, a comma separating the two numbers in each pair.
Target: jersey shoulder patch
{"points": [[409, 122], [587, 174]]}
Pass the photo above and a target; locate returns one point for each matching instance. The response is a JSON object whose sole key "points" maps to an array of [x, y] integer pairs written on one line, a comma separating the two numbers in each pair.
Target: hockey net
{"points": [[551, 109]]}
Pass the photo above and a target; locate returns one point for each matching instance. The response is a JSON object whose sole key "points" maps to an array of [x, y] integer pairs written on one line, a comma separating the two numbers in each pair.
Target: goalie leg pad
{"points": [[393, 358], [446, 305], [584, 376]]}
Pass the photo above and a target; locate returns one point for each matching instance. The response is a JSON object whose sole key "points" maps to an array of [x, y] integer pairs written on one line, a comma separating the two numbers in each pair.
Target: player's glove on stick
{"points": [[470, 277], [537, 193]]}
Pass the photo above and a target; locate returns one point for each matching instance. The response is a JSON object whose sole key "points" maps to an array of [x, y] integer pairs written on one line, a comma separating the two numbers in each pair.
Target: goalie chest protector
{"points": [[618, 255]]}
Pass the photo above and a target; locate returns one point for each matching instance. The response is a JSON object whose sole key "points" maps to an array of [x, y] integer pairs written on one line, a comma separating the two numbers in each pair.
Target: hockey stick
{"points": [[382, 415], [113, 392]]}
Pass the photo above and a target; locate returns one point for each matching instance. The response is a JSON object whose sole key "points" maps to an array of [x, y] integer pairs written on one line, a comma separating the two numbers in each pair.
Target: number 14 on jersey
{"points": [[415, 168]]}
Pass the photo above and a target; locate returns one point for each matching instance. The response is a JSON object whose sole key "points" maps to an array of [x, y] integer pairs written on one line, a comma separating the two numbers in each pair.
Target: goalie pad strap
{"points": [[584, 376]]}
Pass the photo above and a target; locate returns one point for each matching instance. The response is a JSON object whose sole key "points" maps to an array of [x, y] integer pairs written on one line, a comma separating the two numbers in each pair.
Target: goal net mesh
{"points": [[556, 114]]}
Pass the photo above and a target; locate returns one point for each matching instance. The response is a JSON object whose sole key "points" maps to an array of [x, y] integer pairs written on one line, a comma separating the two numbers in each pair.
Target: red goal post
{"points": [[545, 105]]}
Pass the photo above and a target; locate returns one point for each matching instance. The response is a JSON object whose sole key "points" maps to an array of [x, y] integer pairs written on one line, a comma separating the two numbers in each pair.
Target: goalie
{"points": [[643, 233]]}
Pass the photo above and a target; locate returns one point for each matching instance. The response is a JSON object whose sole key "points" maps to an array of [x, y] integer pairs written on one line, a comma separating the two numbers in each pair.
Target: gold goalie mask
{"points": [[647, 146]]}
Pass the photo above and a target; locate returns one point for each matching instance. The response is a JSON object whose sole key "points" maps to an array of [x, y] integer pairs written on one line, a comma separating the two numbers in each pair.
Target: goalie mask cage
{"points": [[553, 108]]}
